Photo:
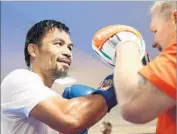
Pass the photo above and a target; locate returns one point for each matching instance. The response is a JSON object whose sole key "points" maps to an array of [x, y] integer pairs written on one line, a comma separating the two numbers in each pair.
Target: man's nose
{"points": [[67, 55], [66, 52]]}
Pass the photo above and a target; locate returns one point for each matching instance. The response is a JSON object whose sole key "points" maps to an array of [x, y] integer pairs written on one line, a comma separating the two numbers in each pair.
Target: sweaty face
{"points": [[164, 31], [55, 54]]}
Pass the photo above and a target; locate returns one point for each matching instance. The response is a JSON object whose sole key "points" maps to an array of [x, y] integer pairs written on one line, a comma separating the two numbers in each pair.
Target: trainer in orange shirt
{"points": [[149, 92]]}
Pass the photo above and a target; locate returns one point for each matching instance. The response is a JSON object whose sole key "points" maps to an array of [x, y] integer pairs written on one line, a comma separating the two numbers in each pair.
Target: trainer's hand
{"points": [[108, 39], [107, 90]]}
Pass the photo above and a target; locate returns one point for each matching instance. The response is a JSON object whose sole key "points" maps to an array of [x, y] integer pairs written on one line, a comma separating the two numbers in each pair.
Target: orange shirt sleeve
{"points": [[162, 71]]}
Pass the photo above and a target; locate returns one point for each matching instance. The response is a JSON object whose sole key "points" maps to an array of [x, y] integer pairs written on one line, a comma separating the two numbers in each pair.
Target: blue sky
{"points": [[83, 19]]}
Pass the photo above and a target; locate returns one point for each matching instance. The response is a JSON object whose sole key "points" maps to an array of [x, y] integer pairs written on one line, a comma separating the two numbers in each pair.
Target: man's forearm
{"points": [[128, 63], [86, 110]]}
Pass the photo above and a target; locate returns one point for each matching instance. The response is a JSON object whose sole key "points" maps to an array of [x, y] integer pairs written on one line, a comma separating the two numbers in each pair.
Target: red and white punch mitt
{"points": [[107, 39]]}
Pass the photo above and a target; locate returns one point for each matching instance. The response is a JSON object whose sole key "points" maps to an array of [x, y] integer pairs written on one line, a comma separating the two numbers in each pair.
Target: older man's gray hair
{"points": [[164, 8]]}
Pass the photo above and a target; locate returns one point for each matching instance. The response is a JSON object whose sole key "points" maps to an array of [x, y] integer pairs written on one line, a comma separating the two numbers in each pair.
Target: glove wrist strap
{"points": [[109, 96]]}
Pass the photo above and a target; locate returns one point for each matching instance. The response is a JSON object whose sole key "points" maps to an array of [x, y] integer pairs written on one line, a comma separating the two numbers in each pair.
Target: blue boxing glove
{"points": [[78, 91], [84, 132], [107, 90]]}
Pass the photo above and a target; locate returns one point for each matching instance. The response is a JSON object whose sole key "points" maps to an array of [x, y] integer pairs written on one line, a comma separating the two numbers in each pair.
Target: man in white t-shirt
{"points": [[29, 106]]}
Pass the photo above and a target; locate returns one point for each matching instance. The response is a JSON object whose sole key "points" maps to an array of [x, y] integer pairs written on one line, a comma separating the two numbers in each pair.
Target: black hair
{"points": [[38, 31]]}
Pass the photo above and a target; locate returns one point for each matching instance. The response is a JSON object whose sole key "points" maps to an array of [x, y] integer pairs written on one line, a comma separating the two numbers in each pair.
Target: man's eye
{"points": [[58, 43], [70, 48]]}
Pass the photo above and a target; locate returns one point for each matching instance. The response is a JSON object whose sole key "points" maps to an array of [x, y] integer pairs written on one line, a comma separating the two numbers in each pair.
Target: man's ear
{"points": [[32, 49], [174, 15]]}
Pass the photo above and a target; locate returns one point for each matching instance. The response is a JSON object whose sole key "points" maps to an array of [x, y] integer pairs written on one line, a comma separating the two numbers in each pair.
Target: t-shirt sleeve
{"points": [[21, 95], [162, 71]]}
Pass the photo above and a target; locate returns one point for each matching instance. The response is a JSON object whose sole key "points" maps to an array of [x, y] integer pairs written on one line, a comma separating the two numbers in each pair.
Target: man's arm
{"points": [[139, 99], [148, 104], [70, 116], [30, 98]]}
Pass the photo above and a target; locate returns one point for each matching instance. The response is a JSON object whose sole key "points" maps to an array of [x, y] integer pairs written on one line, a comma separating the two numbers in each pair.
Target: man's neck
{"points": [[47, 80]]}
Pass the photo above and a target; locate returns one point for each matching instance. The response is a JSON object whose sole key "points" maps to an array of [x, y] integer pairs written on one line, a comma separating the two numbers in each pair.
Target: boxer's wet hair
{"points": [[38, 31]]}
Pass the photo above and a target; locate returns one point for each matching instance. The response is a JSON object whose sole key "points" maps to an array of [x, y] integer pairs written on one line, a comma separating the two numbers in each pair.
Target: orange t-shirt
{"points": [[162, 73]]}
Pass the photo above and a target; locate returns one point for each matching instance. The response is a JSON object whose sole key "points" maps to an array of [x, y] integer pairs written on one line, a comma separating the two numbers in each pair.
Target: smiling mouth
{"points": [[66, 61]]}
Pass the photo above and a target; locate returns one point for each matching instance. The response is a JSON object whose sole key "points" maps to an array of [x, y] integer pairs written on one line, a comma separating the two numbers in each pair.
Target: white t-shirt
{"points": [[21, 91]]}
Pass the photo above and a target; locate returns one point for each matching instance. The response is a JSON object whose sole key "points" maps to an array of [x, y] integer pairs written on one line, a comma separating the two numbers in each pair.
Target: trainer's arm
{"points": [[70, 116], [139, 99]]}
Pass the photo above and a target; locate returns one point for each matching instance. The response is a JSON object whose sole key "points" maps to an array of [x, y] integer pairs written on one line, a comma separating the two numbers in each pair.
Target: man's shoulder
{"points": [[19, 75]]}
